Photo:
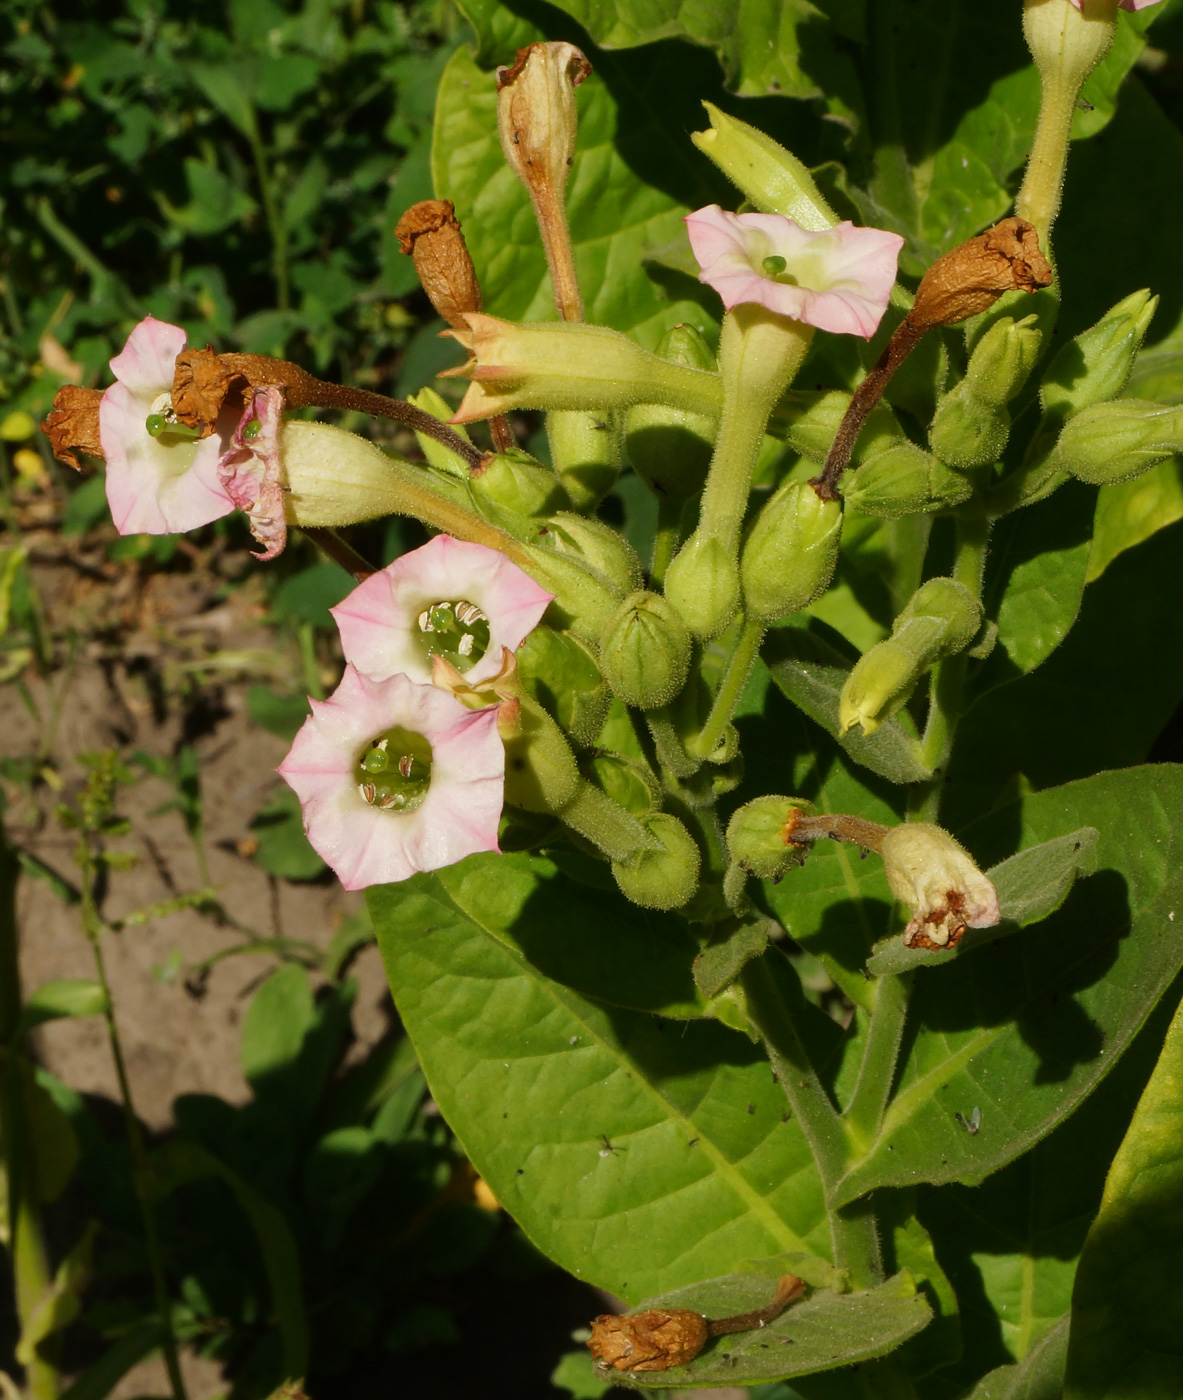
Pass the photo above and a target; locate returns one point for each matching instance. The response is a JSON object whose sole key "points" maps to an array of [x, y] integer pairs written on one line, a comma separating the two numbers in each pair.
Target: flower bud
{"points": [[1118, 440], [585, 452], [702, 582], [1095, 366], [584, 598], [935, 877], [595, 544], [560, 672], [967, 432], [436, 453], [513, 489], [905, 480], [669, 448], [645, 651], [758, 836], [570, 366], [627, 783], [335, 477], [536, 115], [1066, 41], [665, 878], [972, 423], [791, 552], [771, 178], [1002, 359], [541, 774], [809, 421], [941, 618]]}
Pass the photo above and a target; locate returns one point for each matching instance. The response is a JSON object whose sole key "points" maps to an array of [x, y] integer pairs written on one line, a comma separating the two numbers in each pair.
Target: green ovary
{"points": [[393, 771], [457, 631]]}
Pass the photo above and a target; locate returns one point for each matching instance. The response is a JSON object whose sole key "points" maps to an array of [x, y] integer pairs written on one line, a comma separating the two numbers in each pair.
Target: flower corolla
{"points": [[837, 280], [395, 778], [1125, 4], [935, 877], [161, 477], [250, 471], [452, 599]]}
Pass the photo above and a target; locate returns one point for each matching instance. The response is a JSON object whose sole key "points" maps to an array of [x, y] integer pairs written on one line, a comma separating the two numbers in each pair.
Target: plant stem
{"points": [[340, 552], [274, 215], [669, 533], [739, 668], [864, 1113]]}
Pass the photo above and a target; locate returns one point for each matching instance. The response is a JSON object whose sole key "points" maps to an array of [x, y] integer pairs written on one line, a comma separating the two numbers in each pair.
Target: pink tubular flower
{"points": [[395, 777], [160, 478], [837, 280], [463, 602], [250, 472], [1127, 4]]}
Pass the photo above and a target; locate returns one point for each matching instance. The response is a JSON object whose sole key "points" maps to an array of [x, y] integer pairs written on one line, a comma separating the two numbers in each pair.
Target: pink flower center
{"points": [[393, 771], [455, 630]]}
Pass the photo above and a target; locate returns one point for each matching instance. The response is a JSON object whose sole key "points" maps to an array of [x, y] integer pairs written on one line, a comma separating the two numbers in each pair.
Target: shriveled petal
{"points": [[838, 279], [145, 364], [251, 474], [155, 489], [936, 878], [363, 844], [1127, 4], [379, 620]]}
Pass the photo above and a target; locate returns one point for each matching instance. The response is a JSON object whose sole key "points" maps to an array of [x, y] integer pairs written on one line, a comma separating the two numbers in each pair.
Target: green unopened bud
{"points": [[584, 599], [758, 836], [335, 477], [773, 179], [1002, 359], [941, 619], [560, 672], [791, 552], [585, 451], [809, 421], [669, 448], [665, 878], [626, 782], [1094, 367], [905, 480], [541, 774], [435, 452], [702, 582], [514, 489], [966, 432], [595, 544], [645, 651], [1118, 440]]}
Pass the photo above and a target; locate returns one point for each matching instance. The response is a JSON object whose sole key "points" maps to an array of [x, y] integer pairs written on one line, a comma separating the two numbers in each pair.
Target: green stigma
{"points": [[159, 427], [774, 265], [252, 430], [393, 771], [455, 630]]}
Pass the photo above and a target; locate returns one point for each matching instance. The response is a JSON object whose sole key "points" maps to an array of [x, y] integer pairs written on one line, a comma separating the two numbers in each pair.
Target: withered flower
{"points": [[72, 424], [970, 278], [658, 1338], [430, 232]]}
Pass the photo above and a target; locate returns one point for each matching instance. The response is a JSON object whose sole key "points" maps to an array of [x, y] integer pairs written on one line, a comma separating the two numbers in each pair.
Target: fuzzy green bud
{"points": [[771, 178], [584, 598], [758, 836], [627, 783], [905, 480], [595, 544], [972, 422], [514, 489], [791, 552], [808, 420], [560, 672], [941, 618], [541, 774], [1118, 440], [669, 448], [585, 451], [645, 651], [335, 477], [1095, 366], [1002, 359], [666, 878], [702, 582]]}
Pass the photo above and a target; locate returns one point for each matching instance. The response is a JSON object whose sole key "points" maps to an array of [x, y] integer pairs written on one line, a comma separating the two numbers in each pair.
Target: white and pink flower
{"points": [[837, 280], [161, 479], [251, 474], [395, 778], [463, 602]]}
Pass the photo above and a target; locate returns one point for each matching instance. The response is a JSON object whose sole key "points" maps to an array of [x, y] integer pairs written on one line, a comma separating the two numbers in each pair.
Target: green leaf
{"points": [[1129, 512], [617, 218], [102, 1376], [824, 1331], [228, 87], [811, 672], [308, 595], [51, 1135], [636, 1152], [1025, 1033], [214, 201], [62, 1300], [280, 1015], [54, 1000], [283, 847], [1124, 1340], [1039, 1376], [499, 32], [275, 712], [578, 1375], [1030, 886], [720, 963], [909, 1246]]}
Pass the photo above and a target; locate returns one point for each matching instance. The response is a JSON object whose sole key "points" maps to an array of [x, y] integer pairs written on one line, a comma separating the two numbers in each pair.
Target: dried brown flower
{"points": [[72, 424], [201, 383], [970, 278], [430, 232]]}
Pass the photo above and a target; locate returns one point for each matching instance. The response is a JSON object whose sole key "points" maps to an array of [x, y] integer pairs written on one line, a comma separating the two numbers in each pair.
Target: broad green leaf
{"points": [[765, 46], [54, 1000], [1030, 886], [579, 1376], [1039, 1376], [811, 672], [1025, 1032], [720, 963], [909, 1246], [51, 1134], [280, 1015], [637, 1152], [61, 1302], [102, 1376], [499, 32], [1129, 512], [1125, 1342], [617, 219], [824, 1331], [228, 87], [283, 848]]}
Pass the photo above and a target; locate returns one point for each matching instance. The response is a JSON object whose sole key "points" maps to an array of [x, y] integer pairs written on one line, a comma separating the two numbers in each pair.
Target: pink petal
{"points": [[146, 363], [251, 474]]}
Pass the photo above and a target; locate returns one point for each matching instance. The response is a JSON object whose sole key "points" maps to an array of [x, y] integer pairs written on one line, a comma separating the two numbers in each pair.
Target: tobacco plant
{"points": [[748, 791]]}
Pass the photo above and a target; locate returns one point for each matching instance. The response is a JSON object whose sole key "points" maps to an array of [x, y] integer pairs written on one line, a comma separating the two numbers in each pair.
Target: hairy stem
{"points": [[739, 668], [340, 552]]}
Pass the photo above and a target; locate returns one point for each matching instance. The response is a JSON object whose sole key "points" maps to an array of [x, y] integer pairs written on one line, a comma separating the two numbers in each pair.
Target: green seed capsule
{"points": [[666, 878], [645, 651], [791, 552]]}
